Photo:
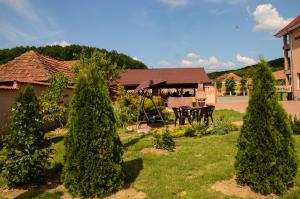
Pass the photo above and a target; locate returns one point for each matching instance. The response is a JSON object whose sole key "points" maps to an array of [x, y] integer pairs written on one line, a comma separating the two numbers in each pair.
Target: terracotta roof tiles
{"points": [[228, 75], [279, 75], [32, 66], [172, 76], [288, 27]]}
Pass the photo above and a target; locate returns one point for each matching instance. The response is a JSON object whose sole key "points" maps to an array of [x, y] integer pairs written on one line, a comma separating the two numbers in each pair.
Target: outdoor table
{"points": [[197, 113], [191, 113]]}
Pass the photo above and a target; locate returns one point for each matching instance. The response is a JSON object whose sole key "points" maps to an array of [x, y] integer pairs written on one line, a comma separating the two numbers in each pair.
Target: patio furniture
{"points": [[185, 113], [177, 114], [143, 116], [207, 112]]}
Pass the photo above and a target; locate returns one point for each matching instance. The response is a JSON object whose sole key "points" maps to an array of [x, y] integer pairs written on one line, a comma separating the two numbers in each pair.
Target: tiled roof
{"points": [[70, 63], [172, 76], [228, 75], [36, 83], [32, 66], [279, 75], [288, 27]]}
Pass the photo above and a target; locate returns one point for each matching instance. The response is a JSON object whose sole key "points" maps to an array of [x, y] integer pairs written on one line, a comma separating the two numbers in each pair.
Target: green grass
{"points": [[193, 168], [48, 195], [231, 114]]}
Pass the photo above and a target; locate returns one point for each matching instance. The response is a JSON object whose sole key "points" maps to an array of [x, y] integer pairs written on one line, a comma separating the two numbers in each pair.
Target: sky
{"points": [[214, 34]]}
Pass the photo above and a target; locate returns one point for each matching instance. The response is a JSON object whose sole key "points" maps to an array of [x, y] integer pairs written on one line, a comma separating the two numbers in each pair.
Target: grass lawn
{"points": [[189, 172]]}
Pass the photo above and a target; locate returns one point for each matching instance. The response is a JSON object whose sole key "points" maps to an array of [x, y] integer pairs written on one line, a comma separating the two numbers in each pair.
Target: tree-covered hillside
{"points": [[276, 64], [71, 52]]}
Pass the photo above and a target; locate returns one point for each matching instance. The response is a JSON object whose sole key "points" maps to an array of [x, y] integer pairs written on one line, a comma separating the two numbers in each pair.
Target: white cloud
{"points": [[267, 19], [164, 63], [228, 64], [185, 62], [192, 55], [247, 61], [135, 58], [61, 43], [210, 64], [175, 3]]}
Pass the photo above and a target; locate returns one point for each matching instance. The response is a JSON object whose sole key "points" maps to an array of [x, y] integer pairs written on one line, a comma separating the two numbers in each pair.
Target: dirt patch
{"points": [[231, 188], [238, 123], [182, 194], [128, 193], [24, 193], [198, 155], [12, 193], [63, 190], [155, 151]]}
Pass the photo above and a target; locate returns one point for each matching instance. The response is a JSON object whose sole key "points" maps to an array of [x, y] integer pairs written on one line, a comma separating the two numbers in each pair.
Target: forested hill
{"points": [[276, 64], [71, 52]]}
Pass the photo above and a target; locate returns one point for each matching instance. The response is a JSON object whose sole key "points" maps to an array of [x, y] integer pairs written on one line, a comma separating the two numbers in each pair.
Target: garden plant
{"points": [[93, 160], [266, 159], [27, 156]]}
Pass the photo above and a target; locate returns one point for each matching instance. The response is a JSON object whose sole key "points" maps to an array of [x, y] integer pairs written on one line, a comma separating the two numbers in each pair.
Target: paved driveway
{"points": [[240, 103]]}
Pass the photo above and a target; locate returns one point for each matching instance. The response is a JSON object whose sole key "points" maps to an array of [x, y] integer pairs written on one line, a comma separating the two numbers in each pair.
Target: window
{"points": [[206, 88]]}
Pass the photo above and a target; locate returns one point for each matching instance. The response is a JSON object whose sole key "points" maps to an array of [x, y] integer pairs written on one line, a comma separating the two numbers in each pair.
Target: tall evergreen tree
{"points": [[26, 160], [266, 159], [93, 160]]}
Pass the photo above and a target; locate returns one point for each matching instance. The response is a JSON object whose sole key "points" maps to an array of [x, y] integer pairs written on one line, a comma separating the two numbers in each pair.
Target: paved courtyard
{"points": [[240, 103]]}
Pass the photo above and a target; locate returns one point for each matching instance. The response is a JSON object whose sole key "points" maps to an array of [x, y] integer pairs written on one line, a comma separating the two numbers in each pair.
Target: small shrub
{"points": [[295, 124], [126, 107], [26, 157], [52, 106], [200, 129], [223, 122], [164, 141], [189, 131]]}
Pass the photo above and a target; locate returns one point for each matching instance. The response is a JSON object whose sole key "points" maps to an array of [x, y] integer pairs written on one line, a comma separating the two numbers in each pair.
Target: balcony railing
{"points": [[283, 89], [286, 47]]}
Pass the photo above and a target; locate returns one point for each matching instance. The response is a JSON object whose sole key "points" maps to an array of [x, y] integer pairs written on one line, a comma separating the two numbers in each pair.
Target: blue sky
{"points": [[214, 34]]}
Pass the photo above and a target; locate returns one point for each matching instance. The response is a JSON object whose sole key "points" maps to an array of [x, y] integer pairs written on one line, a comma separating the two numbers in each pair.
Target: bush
{"points": [[93, 157], [189, 131], [266, 159], [52, 105], [164, 141], [126, 107], [295, 124], [223, 122], [161, 106], [26, 159]]}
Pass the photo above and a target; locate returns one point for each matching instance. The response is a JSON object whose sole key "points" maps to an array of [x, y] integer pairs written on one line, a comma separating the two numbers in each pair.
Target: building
{"points": [[221, 80], [186, 82], [291, 48], [29, 68]]}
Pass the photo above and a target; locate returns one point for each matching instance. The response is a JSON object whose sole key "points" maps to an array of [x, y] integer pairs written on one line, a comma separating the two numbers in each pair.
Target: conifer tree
{"points": [[93, 159], [266, 159], [26, 160]]}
